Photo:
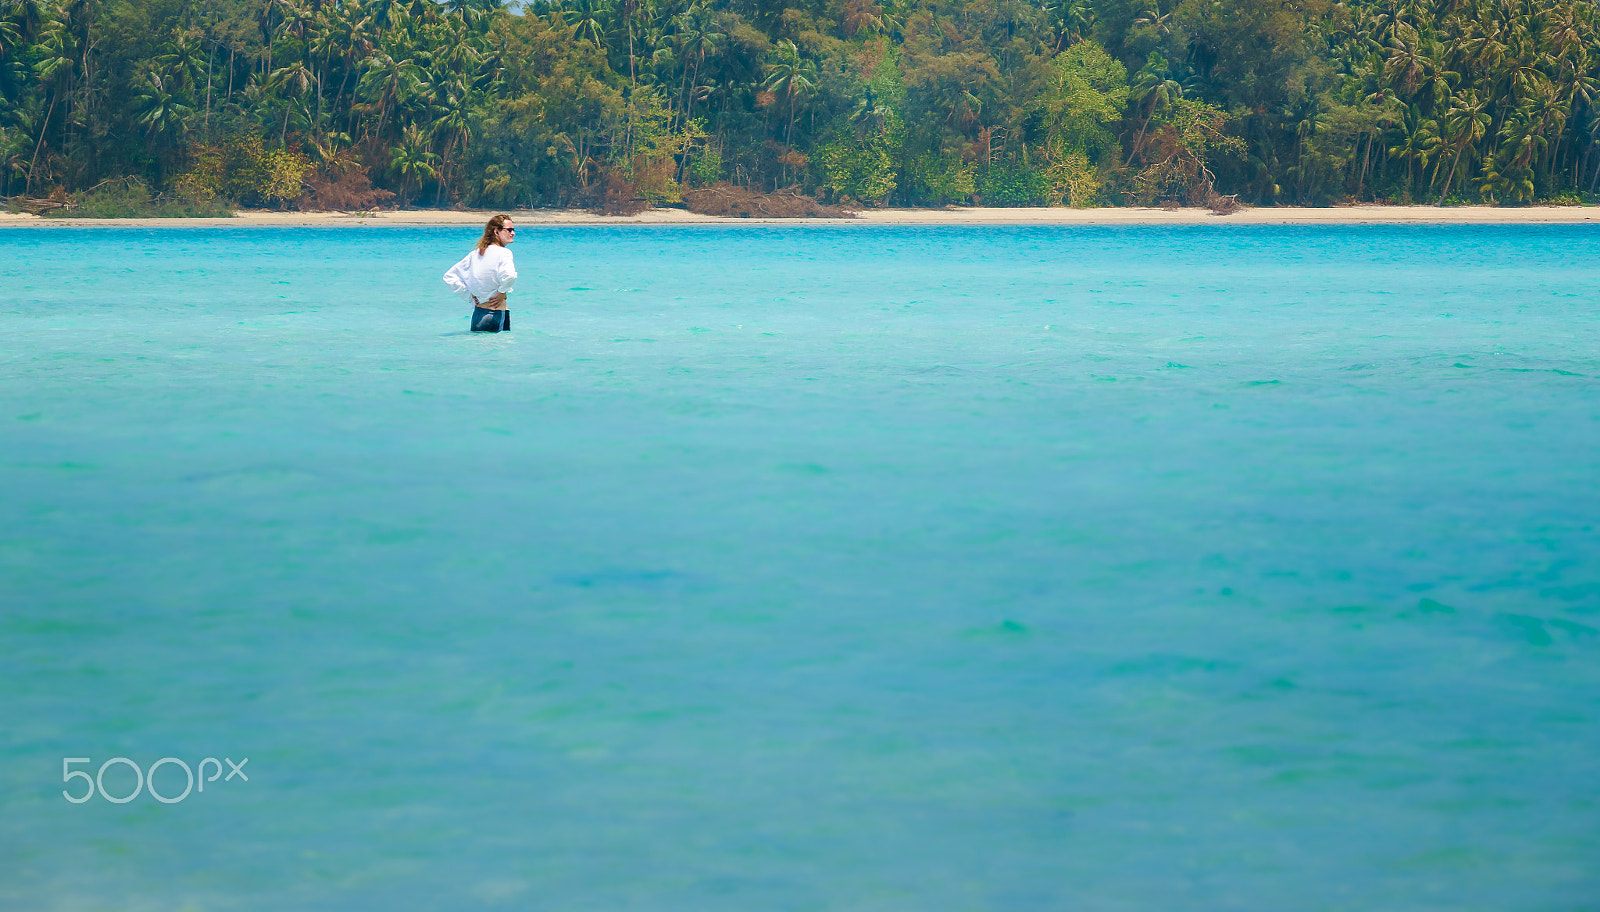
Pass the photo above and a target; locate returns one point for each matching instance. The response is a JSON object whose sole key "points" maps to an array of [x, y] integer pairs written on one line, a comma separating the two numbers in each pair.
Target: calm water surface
{"points": [[805, 569]]}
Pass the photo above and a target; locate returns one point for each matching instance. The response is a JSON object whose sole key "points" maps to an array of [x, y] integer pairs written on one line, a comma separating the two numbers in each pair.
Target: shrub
{"points": [[1013, 184], [652, 166], [859, 166], [705, 168], [245, 170], [1074, 181], [128, 198], [1177, 152], [131, 198], [1567, 198], [653, 178], [937, 179]]}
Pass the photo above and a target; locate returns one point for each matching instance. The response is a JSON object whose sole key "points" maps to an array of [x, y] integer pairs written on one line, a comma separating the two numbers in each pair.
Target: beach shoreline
{"points": [[1338, 215]]}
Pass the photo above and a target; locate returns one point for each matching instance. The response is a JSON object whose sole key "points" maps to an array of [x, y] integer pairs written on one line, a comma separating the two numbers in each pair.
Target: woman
{"points": [[485, 276]]}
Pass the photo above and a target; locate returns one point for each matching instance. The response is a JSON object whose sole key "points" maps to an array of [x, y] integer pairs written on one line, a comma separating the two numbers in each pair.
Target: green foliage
{"points": [[131, 198], [706, 166], [938, 179], [1258, 54], [860, 165], [1181, 146], [1337, 141], [653, 148], [246, 171], [909, 102], [1570, 198], [412, 160], [1013, 184], [1074, 180], [120, 199], [1085, 94]]}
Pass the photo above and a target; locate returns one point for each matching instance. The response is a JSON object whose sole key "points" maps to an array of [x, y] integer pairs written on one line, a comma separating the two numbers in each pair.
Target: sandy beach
{"points": [[1351, 215]]}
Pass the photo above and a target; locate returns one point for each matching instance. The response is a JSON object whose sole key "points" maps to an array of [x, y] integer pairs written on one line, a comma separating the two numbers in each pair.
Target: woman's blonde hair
{"points": [[489, 235]]}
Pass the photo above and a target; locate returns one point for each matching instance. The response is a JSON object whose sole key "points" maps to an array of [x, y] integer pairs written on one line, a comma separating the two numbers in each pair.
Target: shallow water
{"points": [[805, 569]]}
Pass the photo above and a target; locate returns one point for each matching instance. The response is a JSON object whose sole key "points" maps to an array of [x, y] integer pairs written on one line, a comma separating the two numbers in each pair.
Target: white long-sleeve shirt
{"points": [[482, 276]]}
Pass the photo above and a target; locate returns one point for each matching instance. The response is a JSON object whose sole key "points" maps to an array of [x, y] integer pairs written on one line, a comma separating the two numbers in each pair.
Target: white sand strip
{"points": [[1345, 215]]}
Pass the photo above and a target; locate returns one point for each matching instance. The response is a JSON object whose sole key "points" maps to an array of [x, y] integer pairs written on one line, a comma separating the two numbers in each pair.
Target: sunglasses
{"points": [[509, 230]]}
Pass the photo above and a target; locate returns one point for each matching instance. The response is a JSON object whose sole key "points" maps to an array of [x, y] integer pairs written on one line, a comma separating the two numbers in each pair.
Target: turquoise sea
{"points": [[793, 568]]}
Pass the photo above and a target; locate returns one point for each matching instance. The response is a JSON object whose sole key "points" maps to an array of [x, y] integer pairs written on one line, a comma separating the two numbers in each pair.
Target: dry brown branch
{"points": [[39, 206], [732, 201], [614, 194], [341, 190], [1224, 205]]}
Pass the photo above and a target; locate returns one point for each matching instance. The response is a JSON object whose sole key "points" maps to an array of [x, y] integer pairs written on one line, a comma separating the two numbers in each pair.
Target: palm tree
{"points": [[1153, 20], [413, 160], [385, 14], [159, 107], [1421, 142], [326, 42], [1521, 139], [869, 113], [1409, 61], [788, 76], [28, 16], [56, 63], [15, 38], [1465, 124], [1070, 22], [456, 131], [274, 15], [591, 15], [295, 79], [350, 30], [1153, 91], [10, 38], [862, 16], [389, 83], [697, 39]]}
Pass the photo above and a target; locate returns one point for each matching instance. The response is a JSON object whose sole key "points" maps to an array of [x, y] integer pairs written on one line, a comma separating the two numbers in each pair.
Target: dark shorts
{"points": [[490, 321]]}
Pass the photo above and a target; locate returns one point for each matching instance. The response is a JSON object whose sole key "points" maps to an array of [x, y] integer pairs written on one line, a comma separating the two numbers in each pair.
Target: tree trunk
{"points": [[1450, 178], [209, 59], [444, 171], [1366, 160], [788, 137], [688, 109], [682, 89], [627, 11], [1138, 141], [42, 130]]}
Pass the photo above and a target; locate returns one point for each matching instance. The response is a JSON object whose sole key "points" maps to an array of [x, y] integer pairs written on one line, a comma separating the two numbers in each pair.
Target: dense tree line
{"points": [[908, 102]]}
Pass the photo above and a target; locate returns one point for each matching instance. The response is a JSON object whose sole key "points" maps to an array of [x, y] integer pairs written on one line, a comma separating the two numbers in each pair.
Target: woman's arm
{"points": [[505, 272], [456, 279]]}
